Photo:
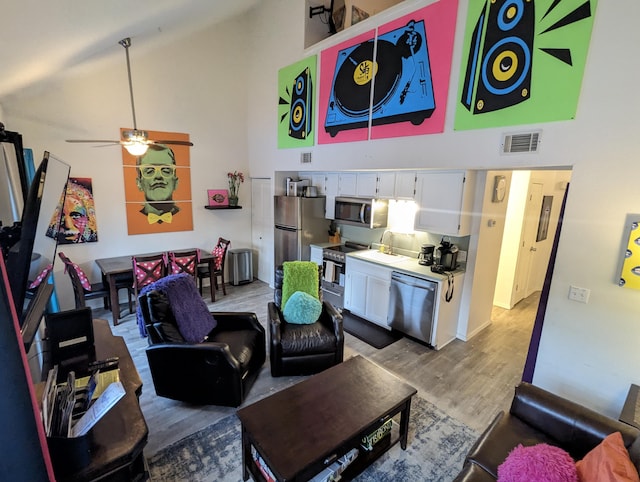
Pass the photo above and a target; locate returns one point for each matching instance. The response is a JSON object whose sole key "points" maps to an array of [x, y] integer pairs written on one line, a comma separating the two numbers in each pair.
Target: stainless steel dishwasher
{"points": [[412, 305]]}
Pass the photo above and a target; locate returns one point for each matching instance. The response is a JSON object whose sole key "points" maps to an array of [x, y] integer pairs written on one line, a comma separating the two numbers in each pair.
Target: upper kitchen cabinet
{"points": [[347, 184], [387, 184], [445, 202], [367, 184], [404, 186]]}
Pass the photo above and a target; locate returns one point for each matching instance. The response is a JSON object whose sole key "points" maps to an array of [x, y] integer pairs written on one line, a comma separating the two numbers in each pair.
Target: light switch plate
{"points": [[579, 294]]}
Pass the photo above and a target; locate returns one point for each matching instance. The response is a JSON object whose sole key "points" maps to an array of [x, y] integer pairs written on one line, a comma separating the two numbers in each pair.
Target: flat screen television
{"points": [[35, 250]]}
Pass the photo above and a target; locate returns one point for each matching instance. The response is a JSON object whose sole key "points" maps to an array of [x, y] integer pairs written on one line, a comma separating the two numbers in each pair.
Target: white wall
{"points": [[220, 82], [588, 352], [195, 85]]}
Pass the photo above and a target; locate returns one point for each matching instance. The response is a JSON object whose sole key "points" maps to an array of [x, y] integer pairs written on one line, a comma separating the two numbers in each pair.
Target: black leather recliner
{"points": [[219, 371], [303, 349]]}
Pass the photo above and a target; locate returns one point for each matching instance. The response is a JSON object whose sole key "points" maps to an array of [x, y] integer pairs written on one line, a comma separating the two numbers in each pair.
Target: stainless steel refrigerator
{"points": [[299, 222]]}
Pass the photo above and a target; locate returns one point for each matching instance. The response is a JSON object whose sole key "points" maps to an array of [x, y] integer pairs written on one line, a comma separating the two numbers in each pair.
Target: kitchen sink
{"points": [[386, 258]]}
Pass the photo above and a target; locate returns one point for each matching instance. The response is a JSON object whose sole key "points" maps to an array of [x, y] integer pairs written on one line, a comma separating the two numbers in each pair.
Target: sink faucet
{"points": [[387, 248]]}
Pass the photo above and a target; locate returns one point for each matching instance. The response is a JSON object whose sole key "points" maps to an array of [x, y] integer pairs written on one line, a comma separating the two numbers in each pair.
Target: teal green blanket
{"points": [[299, 276]]}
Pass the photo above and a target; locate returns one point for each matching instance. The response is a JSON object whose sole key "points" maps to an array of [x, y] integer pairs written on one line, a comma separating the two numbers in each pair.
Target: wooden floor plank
{"points": [[471, 381]]}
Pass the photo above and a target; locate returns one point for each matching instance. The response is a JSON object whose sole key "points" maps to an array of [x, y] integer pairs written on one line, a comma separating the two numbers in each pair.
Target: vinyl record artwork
{"points": [[407, 64], [158, 187], [423, 46], [296, 113], [522, 61], [346, 110]]}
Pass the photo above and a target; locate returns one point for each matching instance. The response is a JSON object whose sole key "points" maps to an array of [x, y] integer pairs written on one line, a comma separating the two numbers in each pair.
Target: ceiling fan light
{"points": [[136, 148]]}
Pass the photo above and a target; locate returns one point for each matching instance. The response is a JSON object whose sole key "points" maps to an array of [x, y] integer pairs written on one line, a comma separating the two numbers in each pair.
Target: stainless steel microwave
{"points": [[368, 213]]}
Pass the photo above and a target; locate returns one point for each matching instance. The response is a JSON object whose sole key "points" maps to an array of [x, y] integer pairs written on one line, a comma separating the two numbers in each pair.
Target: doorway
{"points": [[530, 228], [533, 209]]}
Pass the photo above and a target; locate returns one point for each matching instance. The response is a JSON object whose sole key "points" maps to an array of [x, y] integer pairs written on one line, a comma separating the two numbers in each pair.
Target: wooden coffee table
{"points": [[299, 432]]}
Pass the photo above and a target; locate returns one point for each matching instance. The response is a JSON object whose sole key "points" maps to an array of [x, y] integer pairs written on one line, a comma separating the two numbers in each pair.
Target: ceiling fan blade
{"points": [[94, 141], [175, 143]]}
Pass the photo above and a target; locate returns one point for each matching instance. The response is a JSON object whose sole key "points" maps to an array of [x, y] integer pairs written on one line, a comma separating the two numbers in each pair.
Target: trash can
{"points": [[241, 268]]}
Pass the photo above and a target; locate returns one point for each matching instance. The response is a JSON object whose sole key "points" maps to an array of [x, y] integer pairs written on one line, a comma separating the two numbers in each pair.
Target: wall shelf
{"points": [[222, 207]]}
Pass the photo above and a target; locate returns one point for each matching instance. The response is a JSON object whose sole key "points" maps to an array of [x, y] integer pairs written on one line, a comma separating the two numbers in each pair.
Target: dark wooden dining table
{"points": [[118, 265]]}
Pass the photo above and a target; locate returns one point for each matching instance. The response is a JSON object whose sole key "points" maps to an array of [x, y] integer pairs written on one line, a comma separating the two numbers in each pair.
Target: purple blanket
{"points": [[192, 315]]}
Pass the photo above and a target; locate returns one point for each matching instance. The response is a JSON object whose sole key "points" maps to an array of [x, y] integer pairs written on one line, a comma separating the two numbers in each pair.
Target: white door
{"points": [[262, 229], [527, 251]]}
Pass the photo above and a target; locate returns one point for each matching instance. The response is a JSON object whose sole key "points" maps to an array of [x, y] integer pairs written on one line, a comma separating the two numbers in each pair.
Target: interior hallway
{"points": [[471, 381]]}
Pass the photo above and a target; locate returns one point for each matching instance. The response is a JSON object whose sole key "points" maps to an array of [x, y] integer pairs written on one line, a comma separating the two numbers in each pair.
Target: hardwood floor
{"points": [[470, 381]]}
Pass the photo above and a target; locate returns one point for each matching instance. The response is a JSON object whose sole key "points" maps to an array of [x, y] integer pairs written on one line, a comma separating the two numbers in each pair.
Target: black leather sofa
{"points": [[538, 416], [303, 349], [219, 371]]}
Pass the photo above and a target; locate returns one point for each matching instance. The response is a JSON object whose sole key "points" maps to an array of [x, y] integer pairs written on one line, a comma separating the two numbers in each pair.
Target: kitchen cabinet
{"points": [[367, 290], [367, 184], [319, 181], [331, 183], [386, 185], [404, 185], [326, 182], [445, 201], [447, 312], [347, 183]]}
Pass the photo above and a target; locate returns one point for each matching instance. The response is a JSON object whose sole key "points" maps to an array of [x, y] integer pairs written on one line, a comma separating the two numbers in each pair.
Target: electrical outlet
{"points": [[579, 294]]}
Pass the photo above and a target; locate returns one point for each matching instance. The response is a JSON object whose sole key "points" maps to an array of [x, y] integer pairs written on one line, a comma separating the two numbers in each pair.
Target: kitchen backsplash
{"points": [[406, 242]]}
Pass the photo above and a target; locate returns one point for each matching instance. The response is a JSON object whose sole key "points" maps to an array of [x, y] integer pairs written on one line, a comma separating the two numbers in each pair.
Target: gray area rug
{"points": [[437, 446]]}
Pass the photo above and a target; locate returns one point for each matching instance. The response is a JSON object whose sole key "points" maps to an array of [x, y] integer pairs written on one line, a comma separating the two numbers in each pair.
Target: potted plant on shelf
{"points": [[235, 179]]}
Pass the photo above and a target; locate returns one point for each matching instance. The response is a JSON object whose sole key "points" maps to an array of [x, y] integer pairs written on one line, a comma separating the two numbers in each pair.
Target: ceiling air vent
{"points": [[518, 143]]}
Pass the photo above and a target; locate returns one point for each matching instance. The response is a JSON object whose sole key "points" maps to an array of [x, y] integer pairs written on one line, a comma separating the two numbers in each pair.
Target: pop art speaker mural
{"points": [[523, 61], [296, 87]]}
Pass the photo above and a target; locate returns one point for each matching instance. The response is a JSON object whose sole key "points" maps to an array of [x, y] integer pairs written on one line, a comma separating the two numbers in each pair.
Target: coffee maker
{"points": [[425, 257], [447, 255]]}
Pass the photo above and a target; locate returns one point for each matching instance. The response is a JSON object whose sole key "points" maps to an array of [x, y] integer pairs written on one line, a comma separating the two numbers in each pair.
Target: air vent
{"points": [[518, 143], [305, 158]]}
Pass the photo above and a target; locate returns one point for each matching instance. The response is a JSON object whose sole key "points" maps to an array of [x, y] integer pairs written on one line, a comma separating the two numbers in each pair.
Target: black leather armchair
{"points": [[303, 349], [219, 371]]}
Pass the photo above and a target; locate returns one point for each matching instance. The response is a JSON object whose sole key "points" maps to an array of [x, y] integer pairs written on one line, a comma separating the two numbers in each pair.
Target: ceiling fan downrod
{"points": [[126, 43]]}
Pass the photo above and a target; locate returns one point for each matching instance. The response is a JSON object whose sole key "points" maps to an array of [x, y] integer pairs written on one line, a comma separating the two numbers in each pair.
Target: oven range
{"points": [[333, 271]]}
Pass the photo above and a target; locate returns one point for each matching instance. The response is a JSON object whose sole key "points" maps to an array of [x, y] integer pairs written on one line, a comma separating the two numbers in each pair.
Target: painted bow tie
{"points": [[164, 218]]}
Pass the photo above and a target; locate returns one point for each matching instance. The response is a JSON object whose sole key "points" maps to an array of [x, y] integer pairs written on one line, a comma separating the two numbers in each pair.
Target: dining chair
{"points": [[147, 269], [184, 262], [204, 270], [83, 289]]}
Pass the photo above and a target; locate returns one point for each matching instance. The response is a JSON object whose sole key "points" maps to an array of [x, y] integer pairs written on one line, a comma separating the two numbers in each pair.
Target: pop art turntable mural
{"points": [[407, 65], [522, 61], [296, 115]]}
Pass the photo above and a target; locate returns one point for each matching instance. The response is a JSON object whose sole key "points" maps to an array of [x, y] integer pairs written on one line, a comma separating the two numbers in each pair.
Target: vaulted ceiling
{"points": [[40, 41]]}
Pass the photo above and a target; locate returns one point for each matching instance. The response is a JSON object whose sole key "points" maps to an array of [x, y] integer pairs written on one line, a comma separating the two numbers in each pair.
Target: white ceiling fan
{"points": [[135, 141]]}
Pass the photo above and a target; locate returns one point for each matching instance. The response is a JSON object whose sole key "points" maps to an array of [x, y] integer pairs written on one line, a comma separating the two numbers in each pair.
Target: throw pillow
{"points": [[302, 309], [608, 462], [541, 462], [299, 276]]}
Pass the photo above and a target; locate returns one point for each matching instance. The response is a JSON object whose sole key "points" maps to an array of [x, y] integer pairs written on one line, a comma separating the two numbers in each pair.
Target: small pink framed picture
{"points": [[218, 197]]}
